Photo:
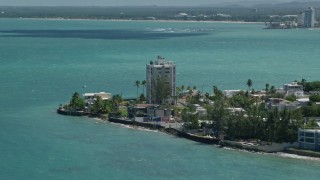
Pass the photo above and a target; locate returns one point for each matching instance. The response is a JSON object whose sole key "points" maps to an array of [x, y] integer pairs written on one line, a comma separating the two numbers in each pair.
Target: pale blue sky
{"points": [[123, 2]]}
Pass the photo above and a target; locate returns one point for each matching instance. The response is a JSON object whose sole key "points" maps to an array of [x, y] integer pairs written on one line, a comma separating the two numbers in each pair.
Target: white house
{"points": [[230, 93], [103, 95], [293, 89]]}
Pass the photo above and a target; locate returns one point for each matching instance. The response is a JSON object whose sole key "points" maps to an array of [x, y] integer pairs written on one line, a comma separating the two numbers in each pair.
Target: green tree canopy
{"points": [[249, 83], [190, 118], [217, 92], [143, 83], [291, 98], [315, 98], [98, 105], [312, 124], [77, 102], [137, 84], [311, 111], [161, 91], [312, 86]]}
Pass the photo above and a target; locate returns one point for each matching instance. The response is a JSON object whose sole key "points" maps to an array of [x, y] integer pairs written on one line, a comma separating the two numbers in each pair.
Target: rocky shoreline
{"points": [[201, 139], [171, 131]]}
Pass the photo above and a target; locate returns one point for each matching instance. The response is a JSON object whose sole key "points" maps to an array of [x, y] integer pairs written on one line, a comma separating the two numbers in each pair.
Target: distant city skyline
{"points": [[132, 2]]}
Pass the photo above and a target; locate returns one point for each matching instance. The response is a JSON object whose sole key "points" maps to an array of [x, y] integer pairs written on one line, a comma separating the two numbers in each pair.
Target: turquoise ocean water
{"points": [[42, 62]]}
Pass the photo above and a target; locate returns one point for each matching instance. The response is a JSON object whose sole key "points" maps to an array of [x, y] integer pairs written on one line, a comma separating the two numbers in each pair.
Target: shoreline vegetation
{"points": [[244, 120], [210, 13]]}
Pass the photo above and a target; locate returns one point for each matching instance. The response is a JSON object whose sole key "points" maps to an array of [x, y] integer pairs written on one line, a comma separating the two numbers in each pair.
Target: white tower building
{"points": [[309, 18], [163, 70]]}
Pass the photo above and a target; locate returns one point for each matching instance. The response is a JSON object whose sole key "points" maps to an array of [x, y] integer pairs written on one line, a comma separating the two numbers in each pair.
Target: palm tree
{"points": [[77, 101], [182, 87], [189, 90], [178, 91], [137, 84], [249, 83], [303, 83], [143, 83], [267, 88], [217, 92], [272, 90], [117, 99]]}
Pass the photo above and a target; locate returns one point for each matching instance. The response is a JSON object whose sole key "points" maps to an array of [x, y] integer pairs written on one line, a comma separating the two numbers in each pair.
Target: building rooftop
{"points": [[143, 106], [103, 95], [303, 100], [160, 61]]}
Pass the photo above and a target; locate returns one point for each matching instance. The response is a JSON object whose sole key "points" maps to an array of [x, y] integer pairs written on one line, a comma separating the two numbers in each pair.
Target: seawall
{"points": [[71, 113], [303, 152], [201, 139], [172, 131], [274, 147]]}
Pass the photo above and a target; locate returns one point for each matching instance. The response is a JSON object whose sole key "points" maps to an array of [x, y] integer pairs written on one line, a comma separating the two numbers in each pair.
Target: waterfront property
{"points": [[161, 81], [309, 139], [293, 89], [234, 115], [309, 18], [150, 113], [91, 96], [306, 19], [282, 25]]}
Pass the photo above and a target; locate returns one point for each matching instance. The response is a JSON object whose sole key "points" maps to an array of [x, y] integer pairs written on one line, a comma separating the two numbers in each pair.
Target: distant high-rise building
{"points": [[164, 71], [309, 18], [300, 20]]}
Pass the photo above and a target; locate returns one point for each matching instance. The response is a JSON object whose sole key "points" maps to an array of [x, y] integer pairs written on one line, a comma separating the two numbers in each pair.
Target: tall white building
{"points": [[163, 70], [309, 17]]}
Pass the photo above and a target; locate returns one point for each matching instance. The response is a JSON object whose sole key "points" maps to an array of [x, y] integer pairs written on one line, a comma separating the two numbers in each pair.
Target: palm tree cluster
{"points": [[76, 102], [243, 116], [107, 106], [254, 121], [142, 96], [98, 106]]}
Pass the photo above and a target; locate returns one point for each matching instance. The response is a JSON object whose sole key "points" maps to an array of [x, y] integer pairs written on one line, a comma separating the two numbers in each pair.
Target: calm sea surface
{"points": [[42, 62]]}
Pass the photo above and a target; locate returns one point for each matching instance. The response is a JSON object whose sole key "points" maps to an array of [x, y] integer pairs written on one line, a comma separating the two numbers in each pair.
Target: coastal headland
{"points": [[41, 72], [268, 120], [171, 131]]}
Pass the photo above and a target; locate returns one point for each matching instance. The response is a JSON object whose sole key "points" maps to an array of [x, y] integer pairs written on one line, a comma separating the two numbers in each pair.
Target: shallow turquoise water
{"points": [[44, 61]]}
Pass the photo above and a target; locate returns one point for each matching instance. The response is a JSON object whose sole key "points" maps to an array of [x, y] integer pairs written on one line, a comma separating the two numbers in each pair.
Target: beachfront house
{"points": [[90, 99], [91, 96], [293, 89], [309, 139], [149, 113]]}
